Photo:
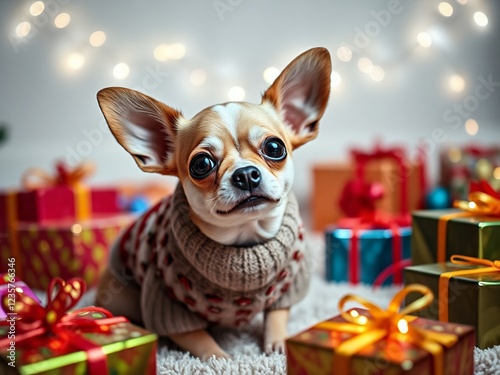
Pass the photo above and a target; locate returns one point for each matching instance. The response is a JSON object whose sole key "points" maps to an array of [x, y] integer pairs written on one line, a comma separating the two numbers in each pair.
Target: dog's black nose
{"points": [[246, 178]]}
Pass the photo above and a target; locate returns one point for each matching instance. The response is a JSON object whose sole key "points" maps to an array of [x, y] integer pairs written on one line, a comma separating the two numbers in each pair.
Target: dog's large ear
{"points": [[300, 93], [145, 127]]}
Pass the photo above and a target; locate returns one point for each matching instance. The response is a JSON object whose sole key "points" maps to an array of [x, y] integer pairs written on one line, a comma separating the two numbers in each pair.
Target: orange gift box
{"points": [[330, 178], [403, 183]]}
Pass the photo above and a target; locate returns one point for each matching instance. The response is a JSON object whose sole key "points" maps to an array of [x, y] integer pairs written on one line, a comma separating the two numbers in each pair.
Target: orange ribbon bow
{"points": [[479, 204], [35, 178], [54, 325], [386, 324], [444, 280]]}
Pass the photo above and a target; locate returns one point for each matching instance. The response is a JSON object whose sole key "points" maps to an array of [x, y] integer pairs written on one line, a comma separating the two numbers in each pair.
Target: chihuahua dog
{"points": [[228, 243]]}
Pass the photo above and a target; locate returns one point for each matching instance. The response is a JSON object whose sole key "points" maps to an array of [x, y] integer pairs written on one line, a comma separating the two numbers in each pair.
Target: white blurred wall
{"points": [[52, 111]]}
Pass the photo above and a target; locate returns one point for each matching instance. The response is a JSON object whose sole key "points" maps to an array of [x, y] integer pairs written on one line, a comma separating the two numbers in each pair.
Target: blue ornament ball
{"points": [[438, 198], [138, 204]]}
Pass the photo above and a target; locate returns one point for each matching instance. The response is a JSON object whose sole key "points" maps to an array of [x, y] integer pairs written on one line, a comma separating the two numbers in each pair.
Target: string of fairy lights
{"points": [[75, 61]]}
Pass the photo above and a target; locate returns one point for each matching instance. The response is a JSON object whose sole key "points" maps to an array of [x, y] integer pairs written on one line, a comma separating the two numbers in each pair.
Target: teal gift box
{"points": [[367, 255]]}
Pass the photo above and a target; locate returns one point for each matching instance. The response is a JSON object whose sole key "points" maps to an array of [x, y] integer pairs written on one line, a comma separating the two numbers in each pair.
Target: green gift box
{"points": [[472, 297], [56, 340], [438, 234], [129, 350]]}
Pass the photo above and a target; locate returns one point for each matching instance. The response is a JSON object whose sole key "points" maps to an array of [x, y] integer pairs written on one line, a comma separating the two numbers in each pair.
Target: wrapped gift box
{"points": [[129, 350], [64, 248], [58, 202], [402, 193], [375, 252], [58, 195], [473, 298], [54, 339], [10, 285], [438, 234], [313, 352], [461, 165]]}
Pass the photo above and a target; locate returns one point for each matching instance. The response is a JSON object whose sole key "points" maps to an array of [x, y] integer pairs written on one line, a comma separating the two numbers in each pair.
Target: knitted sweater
{"points": [[189, 281]]}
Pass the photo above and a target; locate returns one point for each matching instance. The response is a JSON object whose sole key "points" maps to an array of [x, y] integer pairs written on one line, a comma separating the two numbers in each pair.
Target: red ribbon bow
{"points": [[483, 187], [359, 198], [55, 325], [397, 154]]}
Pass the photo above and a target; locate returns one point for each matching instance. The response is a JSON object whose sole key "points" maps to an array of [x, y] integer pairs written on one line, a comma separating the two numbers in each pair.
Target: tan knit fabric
{"points": [[189, 281]]}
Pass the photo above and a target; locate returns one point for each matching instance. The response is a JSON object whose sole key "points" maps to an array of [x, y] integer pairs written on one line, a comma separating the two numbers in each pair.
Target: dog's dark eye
{"points": [[201, 166], [274, 149]]}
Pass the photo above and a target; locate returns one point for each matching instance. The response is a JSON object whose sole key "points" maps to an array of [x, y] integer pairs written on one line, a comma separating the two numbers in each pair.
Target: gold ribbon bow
{"points": [[480, 203], [490, 266], [386, 324]]}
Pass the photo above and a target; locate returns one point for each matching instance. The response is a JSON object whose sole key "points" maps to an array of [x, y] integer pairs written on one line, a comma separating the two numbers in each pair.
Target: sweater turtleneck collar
{"points": [[241, 268]]}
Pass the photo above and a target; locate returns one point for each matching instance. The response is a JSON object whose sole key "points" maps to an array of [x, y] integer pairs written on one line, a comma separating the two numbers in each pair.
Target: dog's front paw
{"points": [[275, 331], [277, 346]]}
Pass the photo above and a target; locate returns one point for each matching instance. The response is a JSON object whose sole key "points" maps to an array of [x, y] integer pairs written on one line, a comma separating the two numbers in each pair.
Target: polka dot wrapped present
{"points": [[372, 340], [55, 225], [65, 248]]}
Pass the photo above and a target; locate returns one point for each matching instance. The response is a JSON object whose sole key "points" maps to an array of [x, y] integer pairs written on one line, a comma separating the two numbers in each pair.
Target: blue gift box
{"points": [[375, 253]]}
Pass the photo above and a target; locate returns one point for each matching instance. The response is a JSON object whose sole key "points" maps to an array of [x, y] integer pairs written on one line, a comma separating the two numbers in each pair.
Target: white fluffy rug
{"points": [[245, 345]]}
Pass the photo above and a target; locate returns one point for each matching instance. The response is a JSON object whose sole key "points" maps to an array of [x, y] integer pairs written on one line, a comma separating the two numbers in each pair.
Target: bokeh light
{"points": [[198, 77], [236, 93], [121, 71], [481, 19], [336, 79], [97, 38], [445, 9], [471, 126], [23, 29], [37, 8], [365, 65], [62, 20], [424, 39], [344, 54], [270, 74], [457, 83], [75, 61], [377, 73]]}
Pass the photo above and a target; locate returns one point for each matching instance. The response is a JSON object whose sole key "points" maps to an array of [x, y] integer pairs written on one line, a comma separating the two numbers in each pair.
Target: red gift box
{"points": [[46, 198], [64, 248], [59, 196]]}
